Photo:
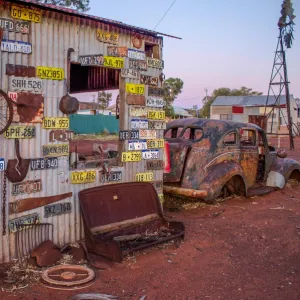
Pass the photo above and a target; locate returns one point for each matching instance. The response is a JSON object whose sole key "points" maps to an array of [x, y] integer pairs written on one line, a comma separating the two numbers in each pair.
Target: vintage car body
{"points": [[212, 158]]}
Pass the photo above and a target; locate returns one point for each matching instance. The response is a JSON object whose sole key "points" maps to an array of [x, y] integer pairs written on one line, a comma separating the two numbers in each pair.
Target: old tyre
{"points": [[234, 186], [6, 111]]}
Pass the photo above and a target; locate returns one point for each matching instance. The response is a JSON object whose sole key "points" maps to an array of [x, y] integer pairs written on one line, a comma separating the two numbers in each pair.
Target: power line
{"points": [[199, 97], [164, 15]]}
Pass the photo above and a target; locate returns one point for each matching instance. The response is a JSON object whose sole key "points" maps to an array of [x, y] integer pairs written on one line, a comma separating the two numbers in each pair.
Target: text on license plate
{"points": [[57, 209], [157, 143], [26, 14], [50, 73], [55, 123], [131, 156], [139, 124], [20, 132], [137, 145], [83, 177], [147, 134], [156, 115], [147, 176], [150, 154]]}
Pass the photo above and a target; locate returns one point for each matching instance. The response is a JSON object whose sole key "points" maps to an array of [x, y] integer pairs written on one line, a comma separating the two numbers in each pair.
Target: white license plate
{"points": [[155, 102], [138, 112], [25, 84], [135, 54], [150, 154], [157, 125], [137, 145], [129, 73], [147, 134], [16, 46], [2, 164], [139, 124]]}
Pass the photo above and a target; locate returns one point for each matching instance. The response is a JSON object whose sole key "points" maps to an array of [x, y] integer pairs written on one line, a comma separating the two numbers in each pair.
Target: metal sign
{"points": [[156, 92], [147, 134], [19, 70], [113, 62], [56, 150], [157, 115], [60, 135], [22, 27], [129, 135], [161, 197], [26, 187], [56, 123], [80, 177], [26, 14], [20, 132], [155, 102], [157, 125], [19, 26], [14, 96], [131, 156], [107, 37], [50, 73], [25, 84], [138, 89], [149, 80], [44, 163], [139, 124], [111, 176], [136, 54], [137, 145], [138, 111], [138, 64], [16, 46], [57, 209], [135, 99], [7, 24], [129, 73], [146, 177], [154, 144], [91, 60], [2, 164], [117, 51], [150, 154], [155, 63], [29, 219], [155, 164]]}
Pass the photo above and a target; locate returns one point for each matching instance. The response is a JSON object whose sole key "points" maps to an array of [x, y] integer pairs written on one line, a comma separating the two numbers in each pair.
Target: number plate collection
{"points": [[156, 115], [2, 164], [26, 187], [56, 123], [57, 209], [20, 132], [25, 84], [29, 219], [44, 163]]}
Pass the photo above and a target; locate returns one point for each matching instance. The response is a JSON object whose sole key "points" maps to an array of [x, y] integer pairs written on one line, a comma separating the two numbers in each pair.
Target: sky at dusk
{"points": [[224, 43]]}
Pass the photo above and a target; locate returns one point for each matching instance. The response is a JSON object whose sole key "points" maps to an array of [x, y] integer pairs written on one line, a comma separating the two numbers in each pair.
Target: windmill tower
{"points": [[279, 78]]}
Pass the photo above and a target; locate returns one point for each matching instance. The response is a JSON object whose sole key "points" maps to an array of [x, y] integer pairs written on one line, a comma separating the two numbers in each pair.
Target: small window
{"points": [[179, 130], [152, 51], [197, 134], [168, 134], [226, 117], [230, 139], [247, 137]]}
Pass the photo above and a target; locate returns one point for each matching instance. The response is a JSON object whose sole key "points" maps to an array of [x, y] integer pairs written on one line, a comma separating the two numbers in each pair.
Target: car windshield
{"points": [[187, 133]]}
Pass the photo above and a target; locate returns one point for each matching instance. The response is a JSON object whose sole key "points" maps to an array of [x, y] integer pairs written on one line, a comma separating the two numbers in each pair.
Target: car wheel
{"points": [[234, 186], [294, 178]]}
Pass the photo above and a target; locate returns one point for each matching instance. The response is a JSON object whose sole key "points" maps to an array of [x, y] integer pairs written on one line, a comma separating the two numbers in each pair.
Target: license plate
{"points": [[22, 27], [149, 80], [56, 123], [113, 62], [50, 73], [30, 219], [117, 51], [157, 125], [44, 163], [2, 164], [26, 187], [107, 37], [137, 64], [155, 102], [79, 177], [136, 54], [150, 154], [156, 92], [56, 150], [138, 111], [129, 135], [156, 115], [111, 176], [91, 60], [57, 209], [26, 14], [131, 156], [20, 132], [139, 124], [155, 63], [147, 134], [132, 99], [129, 73], [146, 177], [25, 84], [153, 144], [137, 145], [155, 164], [161, 197], [16, 46], [138, 89], [60, 135], [7, 24]]}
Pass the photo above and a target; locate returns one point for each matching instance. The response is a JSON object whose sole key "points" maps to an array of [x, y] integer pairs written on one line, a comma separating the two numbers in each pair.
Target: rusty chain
{"points": [[4, 204]]}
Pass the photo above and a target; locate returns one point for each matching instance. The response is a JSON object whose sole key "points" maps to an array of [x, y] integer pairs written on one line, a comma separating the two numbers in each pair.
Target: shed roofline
{"points": [[72, 12]]}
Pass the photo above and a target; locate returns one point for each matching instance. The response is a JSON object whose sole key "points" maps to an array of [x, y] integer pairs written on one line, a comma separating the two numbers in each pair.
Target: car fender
{"points": [[217, 177]]}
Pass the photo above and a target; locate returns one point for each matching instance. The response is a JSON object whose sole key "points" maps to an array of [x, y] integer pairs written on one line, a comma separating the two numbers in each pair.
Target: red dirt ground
{"points": [[240, 249]]}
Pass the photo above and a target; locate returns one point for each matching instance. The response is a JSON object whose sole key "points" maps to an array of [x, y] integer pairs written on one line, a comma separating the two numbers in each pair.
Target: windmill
{"points": [[279, 76]]}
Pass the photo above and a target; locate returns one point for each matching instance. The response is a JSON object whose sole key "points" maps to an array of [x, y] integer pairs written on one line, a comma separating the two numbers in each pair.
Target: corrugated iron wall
{"points": [[50, 41]]}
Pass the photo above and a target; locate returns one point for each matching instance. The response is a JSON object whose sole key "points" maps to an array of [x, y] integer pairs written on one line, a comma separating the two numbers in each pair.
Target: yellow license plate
{"points": [[56, 123], [113, 62], [50, 73], [20, 132], [107, 37], [152, 144], [137, 89], [161, 198], [156, 115], [26, 14], [131, 156], [56, 150], [147, 176], [83, 177]]}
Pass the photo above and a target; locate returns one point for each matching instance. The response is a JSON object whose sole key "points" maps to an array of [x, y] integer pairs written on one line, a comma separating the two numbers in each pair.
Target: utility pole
{"points": [[206, 94]]}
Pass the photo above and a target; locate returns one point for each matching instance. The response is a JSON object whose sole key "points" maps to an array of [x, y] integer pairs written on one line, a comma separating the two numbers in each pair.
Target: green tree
{"points": [[103, 100], [80, 5], [243, 91], [172, 88]]}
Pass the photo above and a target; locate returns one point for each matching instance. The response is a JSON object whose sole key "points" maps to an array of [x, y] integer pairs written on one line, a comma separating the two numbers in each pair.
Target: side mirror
{"points": [[281, 153]]}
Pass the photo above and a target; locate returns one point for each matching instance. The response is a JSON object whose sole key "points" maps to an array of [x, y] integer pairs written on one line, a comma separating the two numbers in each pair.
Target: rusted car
{"points": [[216, 158]]}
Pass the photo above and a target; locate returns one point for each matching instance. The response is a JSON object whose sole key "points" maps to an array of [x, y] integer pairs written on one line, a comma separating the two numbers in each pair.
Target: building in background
{"points": [[181, 113]]}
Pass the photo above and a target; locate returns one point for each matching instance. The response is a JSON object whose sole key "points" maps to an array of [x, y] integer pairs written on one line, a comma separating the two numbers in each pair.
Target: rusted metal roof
{"points": [[73, 12]]}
